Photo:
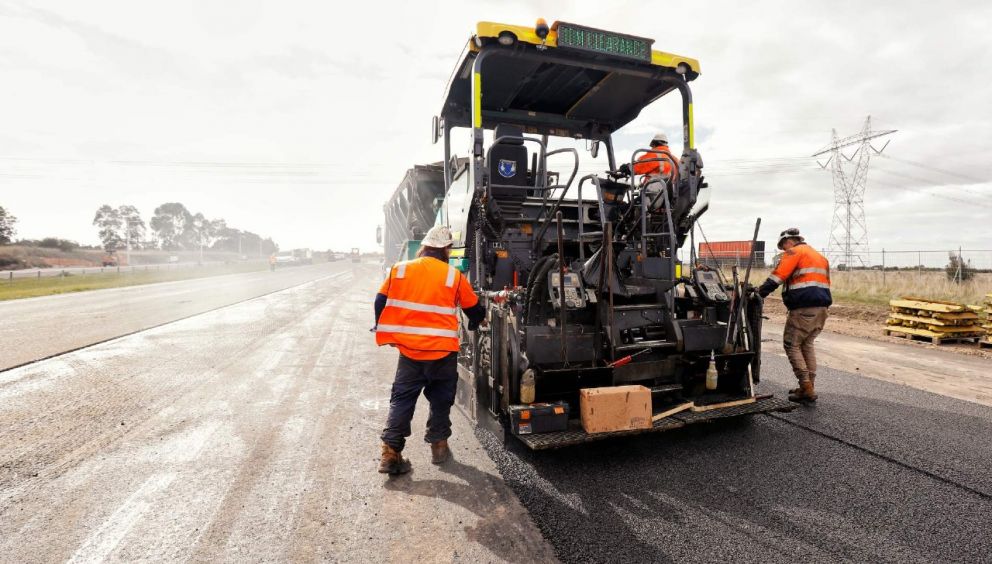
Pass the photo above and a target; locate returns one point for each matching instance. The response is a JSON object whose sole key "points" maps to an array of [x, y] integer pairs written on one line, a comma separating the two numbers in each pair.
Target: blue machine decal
{"points": [[507, 169]]}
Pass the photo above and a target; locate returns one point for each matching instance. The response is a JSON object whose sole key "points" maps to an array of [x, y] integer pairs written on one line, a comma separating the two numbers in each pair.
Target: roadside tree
{"points": [[134, 226], [170, 223], [7, 230], [110, 225]]}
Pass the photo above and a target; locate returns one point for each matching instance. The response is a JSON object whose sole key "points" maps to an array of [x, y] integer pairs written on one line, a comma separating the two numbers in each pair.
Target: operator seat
{"points": [[508, 161]]}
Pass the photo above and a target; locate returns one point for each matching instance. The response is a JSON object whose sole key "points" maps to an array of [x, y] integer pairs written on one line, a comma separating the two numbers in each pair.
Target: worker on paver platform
{"points": [[416, 311], [663, 168], [806, 275], [656, 174]]}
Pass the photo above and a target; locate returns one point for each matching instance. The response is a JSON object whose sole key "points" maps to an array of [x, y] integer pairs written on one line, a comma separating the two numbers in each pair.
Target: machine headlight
{"points": [[506, 38]]}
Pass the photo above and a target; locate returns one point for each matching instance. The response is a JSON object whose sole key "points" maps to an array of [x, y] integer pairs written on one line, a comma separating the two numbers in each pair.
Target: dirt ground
{"points": [[853, 341], [868, 322]]}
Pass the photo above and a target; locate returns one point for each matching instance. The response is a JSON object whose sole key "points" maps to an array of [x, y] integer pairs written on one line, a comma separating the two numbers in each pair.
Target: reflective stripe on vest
{"points": [[410, 330], [401, 270], [421, 307], [800, 271], [450, 280], [776, 279]]}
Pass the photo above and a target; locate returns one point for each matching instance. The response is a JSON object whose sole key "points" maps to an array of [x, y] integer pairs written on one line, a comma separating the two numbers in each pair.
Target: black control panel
{"points": [[709, 287]]}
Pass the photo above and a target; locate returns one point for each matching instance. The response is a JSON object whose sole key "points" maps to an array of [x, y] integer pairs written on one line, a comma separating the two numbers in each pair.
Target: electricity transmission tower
{"points": [[848, 243]]}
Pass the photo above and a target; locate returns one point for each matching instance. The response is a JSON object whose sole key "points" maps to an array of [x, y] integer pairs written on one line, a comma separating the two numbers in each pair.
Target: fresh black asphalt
{"points": [[875, 472]]}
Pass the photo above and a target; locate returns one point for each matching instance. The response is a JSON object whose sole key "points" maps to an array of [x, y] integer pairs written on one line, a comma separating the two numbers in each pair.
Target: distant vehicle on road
{"points": [[285, 258], [356, 255], [110, 260], [303, 256], [173, 258]]}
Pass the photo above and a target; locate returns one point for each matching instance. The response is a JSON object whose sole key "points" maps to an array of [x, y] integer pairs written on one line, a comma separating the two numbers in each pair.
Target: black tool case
{"points": [[538, 418]]}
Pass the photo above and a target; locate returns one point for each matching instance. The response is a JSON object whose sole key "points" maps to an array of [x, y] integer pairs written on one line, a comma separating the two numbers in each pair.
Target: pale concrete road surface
{"points": [[36, 328], [247, 434]]}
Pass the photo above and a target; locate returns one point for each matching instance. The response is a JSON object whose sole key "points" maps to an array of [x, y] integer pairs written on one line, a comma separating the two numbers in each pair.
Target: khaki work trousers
{"points": [[801, 328]]}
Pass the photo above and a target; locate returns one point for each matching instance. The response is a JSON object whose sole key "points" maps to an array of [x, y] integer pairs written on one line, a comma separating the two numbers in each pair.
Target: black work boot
{"points": [[807, 394], [440, 453], [392, 461]]}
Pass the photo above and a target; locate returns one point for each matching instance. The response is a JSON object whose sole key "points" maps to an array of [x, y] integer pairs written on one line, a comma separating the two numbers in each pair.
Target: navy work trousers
{"points": [[438, 380]]}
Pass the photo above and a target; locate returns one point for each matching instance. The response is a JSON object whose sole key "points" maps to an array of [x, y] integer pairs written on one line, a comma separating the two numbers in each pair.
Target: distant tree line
{"points": [[174, 228]]}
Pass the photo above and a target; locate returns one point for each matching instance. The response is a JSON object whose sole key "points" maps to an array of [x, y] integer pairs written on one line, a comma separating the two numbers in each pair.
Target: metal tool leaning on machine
{"points": [[416, 312], [806, 275]]}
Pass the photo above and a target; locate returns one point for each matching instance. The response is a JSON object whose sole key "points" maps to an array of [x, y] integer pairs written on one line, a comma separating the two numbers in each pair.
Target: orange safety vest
{"points": [[802, 267], [654, 167], [422, 297]]}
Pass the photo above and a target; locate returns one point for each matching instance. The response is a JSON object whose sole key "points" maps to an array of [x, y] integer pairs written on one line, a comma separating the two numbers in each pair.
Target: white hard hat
{"points": [[790, 233], [660, 138], [438, 236]]}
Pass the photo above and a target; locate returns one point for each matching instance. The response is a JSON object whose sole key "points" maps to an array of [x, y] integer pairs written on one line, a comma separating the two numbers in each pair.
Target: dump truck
{"points": [[410, 212], [581, 274]]}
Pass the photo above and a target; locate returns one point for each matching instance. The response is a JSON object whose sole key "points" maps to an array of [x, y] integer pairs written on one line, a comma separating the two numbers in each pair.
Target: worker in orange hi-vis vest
{"points": [[416, 311], [659, 150], [658, 168], [806, 276]]}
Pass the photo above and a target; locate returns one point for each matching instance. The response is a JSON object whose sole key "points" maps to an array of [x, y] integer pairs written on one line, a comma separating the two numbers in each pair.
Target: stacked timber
{"points": [[986, 341], [933, 320]]}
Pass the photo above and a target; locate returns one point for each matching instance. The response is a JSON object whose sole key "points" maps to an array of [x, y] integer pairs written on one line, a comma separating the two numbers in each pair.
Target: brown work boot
{"points": [[807, 394], [440, 453], [392, 461], [812, 378]]}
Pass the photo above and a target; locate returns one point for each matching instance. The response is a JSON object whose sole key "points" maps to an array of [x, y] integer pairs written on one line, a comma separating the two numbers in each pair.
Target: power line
{"points": [[942, 196]]}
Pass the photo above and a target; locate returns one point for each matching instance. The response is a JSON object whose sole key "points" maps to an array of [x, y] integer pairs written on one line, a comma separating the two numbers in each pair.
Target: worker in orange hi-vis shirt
{"points": [[658, 169], [654, 167], [416, 311], [806, 275]]}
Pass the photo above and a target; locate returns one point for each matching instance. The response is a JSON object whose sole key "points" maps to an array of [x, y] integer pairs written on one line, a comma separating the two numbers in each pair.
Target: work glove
{"points": [[624, 169]]}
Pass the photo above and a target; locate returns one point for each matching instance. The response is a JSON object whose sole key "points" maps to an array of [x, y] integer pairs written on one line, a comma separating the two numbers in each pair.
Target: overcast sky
{"points": [[298, 119]]}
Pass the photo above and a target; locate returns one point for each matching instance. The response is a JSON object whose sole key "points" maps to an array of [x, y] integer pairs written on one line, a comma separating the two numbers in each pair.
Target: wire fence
{"points": [[959, 275], [882, 260]]}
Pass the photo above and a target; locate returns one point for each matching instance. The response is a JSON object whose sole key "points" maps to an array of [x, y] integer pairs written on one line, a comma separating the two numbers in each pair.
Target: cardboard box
{"points": [[616, 408], [538, 418]]}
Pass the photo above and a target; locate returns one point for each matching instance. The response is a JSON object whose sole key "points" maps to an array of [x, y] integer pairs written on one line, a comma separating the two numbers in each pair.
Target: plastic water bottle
{"points": [[711, 374], [528, 388]]}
